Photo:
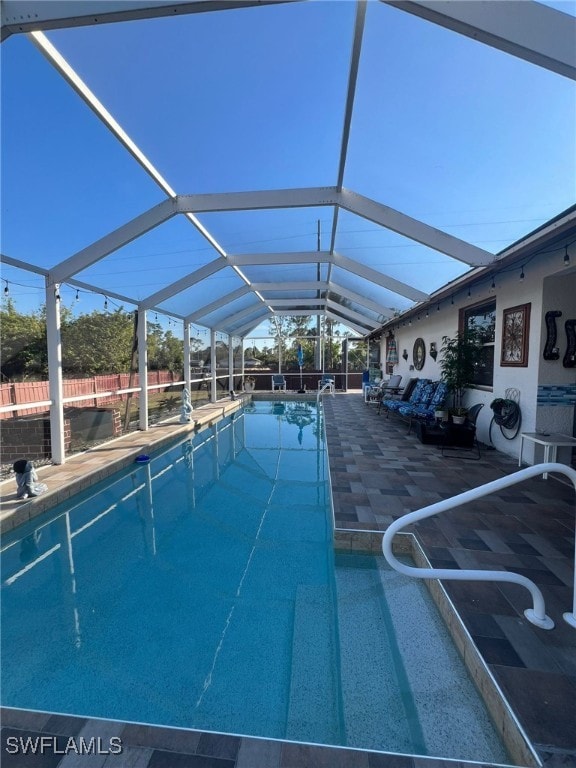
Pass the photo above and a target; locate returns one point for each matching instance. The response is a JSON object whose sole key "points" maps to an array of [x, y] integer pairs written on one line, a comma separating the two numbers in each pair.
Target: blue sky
{"points": [[447, 130]]}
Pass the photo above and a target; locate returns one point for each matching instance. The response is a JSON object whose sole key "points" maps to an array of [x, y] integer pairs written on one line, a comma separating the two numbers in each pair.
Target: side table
{"points": [[550, 441]]}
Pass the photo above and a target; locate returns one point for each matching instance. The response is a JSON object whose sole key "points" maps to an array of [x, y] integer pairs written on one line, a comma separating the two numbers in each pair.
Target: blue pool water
{"points": [[201, 590]]}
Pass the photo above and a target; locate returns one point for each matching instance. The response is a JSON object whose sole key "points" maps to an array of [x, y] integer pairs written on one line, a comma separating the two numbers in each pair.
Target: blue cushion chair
{"points": [[391, 405], [278, 382], [426, 408]]}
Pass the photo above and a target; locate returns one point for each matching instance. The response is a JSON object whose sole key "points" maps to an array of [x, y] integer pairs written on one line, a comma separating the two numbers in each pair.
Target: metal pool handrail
{"points": [[329, 385], [536, 614]]}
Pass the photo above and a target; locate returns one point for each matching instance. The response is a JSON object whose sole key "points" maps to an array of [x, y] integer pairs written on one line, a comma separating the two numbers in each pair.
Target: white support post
{"points": [[187, 376], [213, 365], [230, 363], [143, 368], [56, 390]]}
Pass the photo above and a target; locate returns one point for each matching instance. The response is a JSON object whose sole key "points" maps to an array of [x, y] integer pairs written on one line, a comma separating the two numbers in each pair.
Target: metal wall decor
{"points": [[551, 351], [515, 327], [419, 354], [569, 360]]}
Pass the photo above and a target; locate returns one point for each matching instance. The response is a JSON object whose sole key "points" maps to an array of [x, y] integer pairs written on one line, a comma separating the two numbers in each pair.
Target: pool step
{"points": [[313, 711], [378, 712]]}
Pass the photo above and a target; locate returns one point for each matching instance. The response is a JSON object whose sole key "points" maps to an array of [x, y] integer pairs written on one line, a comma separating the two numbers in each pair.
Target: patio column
{"points": [[55, 387], [187, 375], [143, 368], [213, 365], [230, 363]]}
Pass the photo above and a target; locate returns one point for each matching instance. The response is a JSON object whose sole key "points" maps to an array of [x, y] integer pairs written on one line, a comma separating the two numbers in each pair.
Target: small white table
{"points": [[550, 441]]}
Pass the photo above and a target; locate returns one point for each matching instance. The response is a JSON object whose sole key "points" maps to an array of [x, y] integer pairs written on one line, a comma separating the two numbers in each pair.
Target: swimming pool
{"points": [[201, 590]]}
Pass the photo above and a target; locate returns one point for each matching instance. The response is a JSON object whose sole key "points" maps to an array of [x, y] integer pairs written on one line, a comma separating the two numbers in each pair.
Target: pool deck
{"points": [[378, 473]]}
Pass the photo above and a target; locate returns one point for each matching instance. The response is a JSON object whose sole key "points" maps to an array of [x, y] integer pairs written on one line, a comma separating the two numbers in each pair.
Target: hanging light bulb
{"points": [[438, 307], [566, 256], [452, 300], [6, 289], [77, 295], [469, 292], [105, 302], [493, 286], [522, 273]]}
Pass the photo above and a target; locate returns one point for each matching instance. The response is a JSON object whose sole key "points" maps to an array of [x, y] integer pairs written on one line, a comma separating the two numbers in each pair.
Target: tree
{"points": [[24, 350], [457, 364], [97, 343]]}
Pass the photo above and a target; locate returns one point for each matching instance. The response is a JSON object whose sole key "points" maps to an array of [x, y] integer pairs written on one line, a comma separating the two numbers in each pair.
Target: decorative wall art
{"points": [[569, 360], [551, 351], [515, 327], [419, 354]]}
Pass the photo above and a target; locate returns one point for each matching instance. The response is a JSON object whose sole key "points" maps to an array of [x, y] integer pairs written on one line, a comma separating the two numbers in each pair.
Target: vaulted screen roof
{"points": [[227, 162]]}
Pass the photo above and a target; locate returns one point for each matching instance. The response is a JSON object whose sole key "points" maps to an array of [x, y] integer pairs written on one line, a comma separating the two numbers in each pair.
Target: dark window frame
{"points": [[487, 358]]}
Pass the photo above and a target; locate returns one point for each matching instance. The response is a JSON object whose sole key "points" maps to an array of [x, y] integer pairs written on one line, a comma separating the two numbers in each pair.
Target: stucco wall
{"points": [[548, 284]]}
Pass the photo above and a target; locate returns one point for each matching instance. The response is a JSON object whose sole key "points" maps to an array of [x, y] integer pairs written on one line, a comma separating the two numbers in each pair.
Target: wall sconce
{"points": [[405, 354], [433, 350]]}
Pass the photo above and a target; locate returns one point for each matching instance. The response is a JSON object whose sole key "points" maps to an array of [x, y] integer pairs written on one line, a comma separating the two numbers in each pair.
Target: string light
{"points": [[77, 295], [493, 286], [522, 273], [469, 293], [452, 299], [566, 256], [6, 289], [438, 307], [105, 302]]}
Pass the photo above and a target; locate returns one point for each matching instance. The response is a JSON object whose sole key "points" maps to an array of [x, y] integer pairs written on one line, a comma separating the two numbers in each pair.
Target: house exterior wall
{"points": [[548, 284]]}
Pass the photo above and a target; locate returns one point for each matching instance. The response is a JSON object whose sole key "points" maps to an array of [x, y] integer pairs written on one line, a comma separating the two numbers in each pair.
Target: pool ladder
{"points": [[536, 614]]}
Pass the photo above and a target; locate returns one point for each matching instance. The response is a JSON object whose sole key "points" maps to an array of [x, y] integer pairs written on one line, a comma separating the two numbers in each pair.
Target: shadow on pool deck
{"points": [[379, 473]]}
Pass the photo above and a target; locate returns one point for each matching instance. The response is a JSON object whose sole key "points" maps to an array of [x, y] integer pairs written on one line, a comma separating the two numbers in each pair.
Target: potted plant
{"points": [[459, 355], [249, 383]]}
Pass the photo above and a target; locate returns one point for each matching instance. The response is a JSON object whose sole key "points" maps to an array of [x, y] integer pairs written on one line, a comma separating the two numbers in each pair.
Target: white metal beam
{"points": [[112, 241], [295, 303], [214, 305], [362, 300], [351, 91], [349, 323], [377, 277], [183, 283], [414, 229], [27, 15], [296, 285], [305, 197], [4, 259], [245, 329], [240, 315], [352, 314], [270, 259], [527, 30]]}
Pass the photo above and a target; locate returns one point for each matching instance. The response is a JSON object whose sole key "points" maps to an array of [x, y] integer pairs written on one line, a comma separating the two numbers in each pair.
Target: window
{"points": [[480, 319]]}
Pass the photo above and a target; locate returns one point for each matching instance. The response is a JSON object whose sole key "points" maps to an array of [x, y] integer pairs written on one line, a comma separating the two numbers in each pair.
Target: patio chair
{"points": [[433, 399], [413, 392], [327, 379], [278, 382]]}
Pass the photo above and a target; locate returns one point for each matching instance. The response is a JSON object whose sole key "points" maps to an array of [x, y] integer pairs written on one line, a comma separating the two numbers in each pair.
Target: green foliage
{"points": [[92, 344], [97, 343], [457, 363], [24, 350]]}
